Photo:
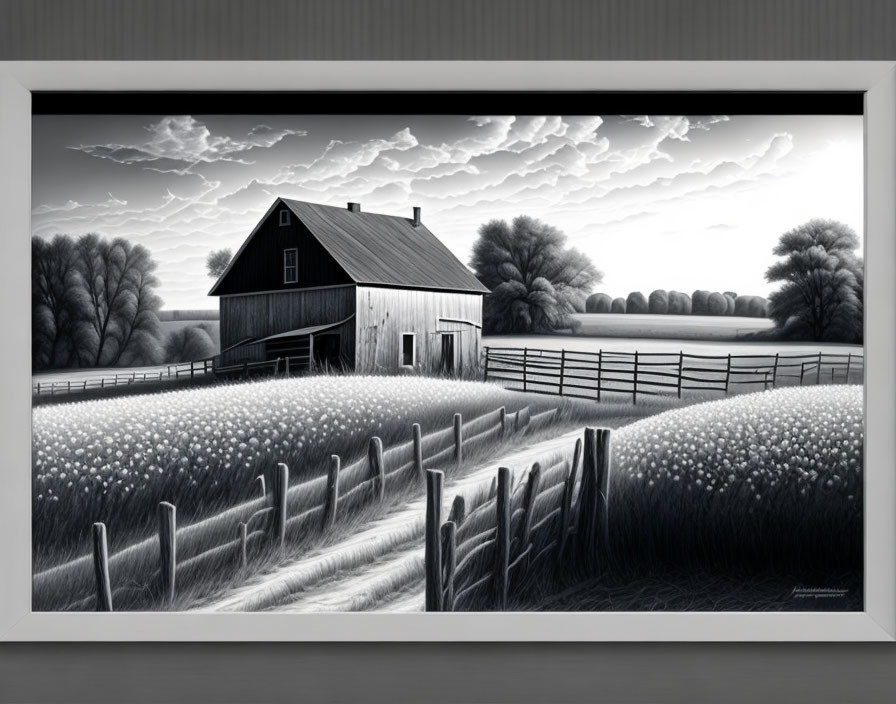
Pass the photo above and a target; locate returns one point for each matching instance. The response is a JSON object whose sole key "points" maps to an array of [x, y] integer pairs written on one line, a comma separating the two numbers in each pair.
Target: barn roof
{"points": [[381, 250]]}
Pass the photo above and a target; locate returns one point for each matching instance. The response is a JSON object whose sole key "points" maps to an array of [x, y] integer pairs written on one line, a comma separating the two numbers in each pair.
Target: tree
{"points": [[189, 344], [58, 306], [729, 303], [821, 298], [700, 302], [636, 303], [598, 303], [535, 281], [122, 306], [658, 302], [679, 303], [618, 305], [716, 304], [217, 262]]}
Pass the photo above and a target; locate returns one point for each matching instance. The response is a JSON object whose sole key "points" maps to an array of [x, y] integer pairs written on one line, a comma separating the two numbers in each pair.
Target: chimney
{"points": [[354, 207], [416, 216]]}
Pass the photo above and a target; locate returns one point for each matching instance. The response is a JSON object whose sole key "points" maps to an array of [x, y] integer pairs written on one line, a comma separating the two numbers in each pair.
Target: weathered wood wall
{"points": [[262, 314], [259, 267], [383, 314]]}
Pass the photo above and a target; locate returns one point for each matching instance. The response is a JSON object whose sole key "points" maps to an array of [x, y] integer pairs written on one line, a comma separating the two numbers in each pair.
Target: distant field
{"points": [[681, 327]]}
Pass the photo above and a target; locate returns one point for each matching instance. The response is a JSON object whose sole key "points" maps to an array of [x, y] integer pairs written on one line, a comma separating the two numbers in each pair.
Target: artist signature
{"points": [[818, 592]]}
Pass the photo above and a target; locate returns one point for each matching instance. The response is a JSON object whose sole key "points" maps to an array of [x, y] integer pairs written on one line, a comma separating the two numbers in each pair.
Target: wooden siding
{"points": [[263, 314], [259, 267], [383, 314]]}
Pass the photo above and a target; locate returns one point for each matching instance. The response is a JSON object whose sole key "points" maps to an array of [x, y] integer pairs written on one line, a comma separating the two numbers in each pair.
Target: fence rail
{"points": [[281, 515], [588, 375]]}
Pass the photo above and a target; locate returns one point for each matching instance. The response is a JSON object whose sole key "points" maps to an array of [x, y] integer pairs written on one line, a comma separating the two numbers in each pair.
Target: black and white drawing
{"points": [[447, 362]]}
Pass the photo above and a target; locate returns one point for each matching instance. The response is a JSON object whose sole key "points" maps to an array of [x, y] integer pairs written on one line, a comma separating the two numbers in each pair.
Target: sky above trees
{"points": [[671, 202]]}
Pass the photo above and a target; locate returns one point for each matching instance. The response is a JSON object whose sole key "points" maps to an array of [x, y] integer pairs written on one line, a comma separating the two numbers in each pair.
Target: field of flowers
{"points": [[771, 479], [115, 459]]}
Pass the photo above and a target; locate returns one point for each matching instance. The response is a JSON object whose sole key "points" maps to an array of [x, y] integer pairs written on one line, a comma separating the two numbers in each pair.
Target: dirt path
{"points": [[380, 567]]}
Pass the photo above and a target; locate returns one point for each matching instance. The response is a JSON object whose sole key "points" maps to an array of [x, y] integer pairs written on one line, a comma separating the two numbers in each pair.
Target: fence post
{"points": [[418, 451], [448, 539], [377, 471], [566, 506], [485, 376], [600, 369], [802, 372], [101, 568], [635, 381], [818, 371], [502, 538], [532, 485], [280, 486], [458, 441], [192, 372], [775, 372], [680, 370], [562, 369], [167, 550], [525, 364], [502, 414], [848, 365], [591, 522], [332, 497], [245, 370], [242, 533], [433, 548], [286, 368], [458, 511], [728, 375], [262, 489]]}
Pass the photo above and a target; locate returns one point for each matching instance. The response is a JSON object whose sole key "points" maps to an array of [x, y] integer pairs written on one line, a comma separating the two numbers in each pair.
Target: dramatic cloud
{"points": [[183, 138], [656, 201]]}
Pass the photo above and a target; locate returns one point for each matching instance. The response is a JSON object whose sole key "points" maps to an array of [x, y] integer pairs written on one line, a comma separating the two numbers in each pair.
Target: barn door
{"points": [[446, 365]]}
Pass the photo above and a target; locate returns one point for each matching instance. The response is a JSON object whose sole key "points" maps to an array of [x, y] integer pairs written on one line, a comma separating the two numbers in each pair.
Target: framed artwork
{"points": [[531, 351]]}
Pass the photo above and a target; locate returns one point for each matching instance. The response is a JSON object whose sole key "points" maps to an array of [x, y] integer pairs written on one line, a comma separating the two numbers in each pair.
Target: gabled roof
{"points": [[379, 250]]}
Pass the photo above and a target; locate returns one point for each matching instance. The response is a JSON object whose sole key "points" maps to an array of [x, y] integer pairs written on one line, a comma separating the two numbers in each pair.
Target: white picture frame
{"points": [[877, 80]]}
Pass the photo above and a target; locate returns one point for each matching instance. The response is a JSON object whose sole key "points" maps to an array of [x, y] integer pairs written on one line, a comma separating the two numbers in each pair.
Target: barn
{"points": [[337, 287]]}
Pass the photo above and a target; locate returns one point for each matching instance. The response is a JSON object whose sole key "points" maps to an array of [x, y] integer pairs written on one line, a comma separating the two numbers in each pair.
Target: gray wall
{"points": [[447, 29]]}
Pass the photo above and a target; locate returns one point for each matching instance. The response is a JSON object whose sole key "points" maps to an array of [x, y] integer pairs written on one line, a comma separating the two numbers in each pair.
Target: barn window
{"points": [[290, 266], [284, 217], [408, 350]]}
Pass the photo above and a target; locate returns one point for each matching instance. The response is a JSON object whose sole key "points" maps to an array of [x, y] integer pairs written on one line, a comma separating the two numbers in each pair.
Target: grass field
{"points": [[683, 327]]}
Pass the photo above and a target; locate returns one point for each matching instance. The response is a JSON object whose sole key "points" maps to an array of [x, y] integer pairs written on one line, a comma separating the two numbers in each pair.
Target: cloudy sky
{"points": [[673, 202]]}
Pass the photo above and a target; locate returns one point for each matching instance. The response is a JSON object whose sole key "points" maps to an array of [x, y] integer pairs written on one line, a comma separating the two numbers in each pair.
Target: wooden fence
{"points": [[186, 370], [281, 516], [553, 520], [281, 366], [591, 374]]}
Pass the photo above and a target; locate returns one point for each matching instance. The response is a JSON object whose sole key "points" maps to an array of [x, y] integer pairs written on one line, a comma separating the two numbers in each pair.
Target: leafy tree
{"points": [[94, 303], [217, 262], [189, 344], [700, 302], [679, 303], [658, 302], [598, 303], [618, 305], [536, 282], [636, 303], [729, 304], [821, 298], [716, 304]]}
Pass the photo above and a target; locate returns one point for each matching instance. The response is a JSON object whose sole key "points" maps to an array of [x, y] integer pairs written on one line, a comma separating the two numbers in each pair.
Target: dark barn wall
{"points": [[260, 266], [262, 314], [383, 314]]}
